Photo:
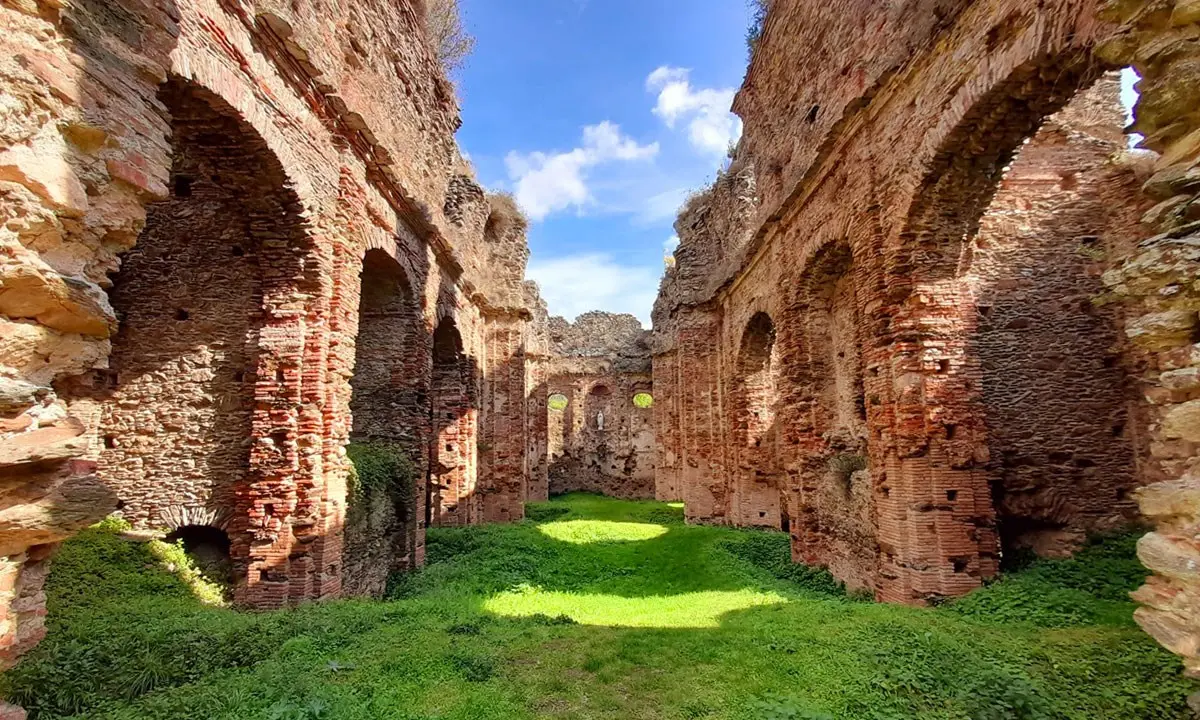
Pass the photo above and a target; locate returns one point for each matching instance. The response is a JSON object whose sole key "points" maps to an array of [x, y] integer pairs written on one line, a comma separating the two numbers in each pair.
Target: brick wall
{"points": [[306, 144]]}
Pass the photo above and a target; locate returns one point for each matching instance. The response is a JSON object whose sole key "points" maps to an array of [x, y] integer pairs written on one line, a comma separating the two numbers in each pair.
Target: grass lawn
{"points": [[597, 608]]}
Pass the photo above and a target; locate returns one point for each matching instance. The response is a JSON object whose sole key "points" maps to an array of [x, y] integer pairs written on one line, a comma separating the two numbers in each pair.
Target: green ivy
{"points": [[378, 467]]}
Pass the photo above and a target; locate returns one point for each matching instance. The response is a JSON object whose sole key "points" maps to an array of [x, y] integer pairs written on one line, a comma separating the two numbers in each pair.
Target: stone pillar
{"points": [[667, 484], [502, 421], [1163, 298], [706, 488]]}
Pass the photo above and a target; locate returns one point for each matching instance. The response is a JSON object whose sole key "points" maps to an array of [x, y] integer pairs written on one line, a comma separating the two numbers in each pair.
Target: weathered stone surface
{"points": [[212, 175], [1182, 421], [600, 441]]}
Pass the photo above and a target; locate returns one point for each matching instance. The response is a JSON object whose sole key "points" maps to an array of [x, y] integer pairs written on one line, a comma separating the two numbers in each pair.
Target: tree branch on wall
{"points": [[443, 22]]}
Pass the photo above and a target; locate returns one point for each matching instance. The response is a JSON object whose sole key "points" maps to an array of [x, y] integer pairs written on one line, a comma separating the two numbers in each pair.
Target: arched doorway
{"points": [[451, 488], [198, 301], [388, 408]]}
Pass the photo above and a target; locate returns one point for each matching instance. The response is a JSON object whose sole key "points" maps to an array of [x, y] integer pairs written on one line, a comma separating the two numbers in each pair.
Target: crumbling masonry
{"points": [[917, 323], [236, 240], [933, 313], [600, 429]]}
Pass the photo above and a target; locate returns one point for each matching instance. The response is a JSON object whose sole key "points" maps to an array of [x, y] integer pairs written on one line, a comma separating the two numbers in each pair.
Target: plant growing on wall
{"points": [[759, 8], [443, 22], [378, 467]]}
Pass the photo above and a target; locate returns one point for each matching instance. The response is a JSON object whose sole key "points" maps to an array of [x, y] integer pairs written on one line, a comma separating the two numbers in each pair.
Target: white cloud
{"points": [[710, 125], [661, 206], [575, 284], [670, 244], [547, 183]]}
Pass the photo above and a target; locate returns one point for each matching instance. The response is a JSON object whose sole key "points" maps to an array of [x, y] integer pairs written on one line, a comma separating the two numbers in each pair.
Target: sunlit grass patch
{"points": [[585, 532], [507, 622], [686, 610]]}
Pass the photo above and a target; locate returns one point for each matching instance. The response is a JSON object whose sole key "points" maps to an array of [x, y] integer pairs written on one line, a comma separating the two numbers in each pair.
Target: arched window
{"points": [[558, 402], [643, 400]]}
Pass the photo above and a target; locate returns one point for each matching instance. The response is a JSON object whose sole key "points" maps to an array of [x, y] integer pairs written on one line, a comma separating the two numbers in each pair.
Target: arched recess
{"points": [[1064, 417], [450, 491], [598, 409], [934, 492], [834, 525], [596, 445], [389, 411], [758, 496], [200, 408]]}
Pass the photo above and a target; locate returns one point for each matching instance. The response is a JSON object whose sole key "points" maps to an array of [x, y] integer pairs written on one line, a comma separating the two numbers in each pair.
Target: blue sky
{"points": [[601, 116]]}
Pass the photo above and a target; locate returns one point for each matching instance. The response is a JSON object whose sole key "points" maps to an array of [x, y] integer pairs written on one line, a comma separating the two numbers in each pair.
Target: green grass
{"points": [[599, 609]]}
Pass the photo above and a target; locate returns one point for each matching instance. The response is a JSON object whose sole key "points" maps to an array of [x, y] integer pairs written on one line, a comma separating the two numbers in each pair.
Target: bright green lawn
{"points": [[599, 609]]}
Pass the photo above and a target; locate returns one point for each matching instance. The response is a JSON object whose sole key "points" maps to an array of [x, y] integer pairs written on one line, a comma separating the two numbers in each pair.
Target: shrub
{"points": [[452, 42], [380, 468], [759, 8]]}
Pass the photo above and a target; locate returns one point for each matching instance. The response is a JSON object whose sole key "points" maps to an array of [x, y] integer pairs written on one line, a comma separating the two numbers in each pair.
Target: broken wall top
{"points": [[371, 61], [619, 338]]}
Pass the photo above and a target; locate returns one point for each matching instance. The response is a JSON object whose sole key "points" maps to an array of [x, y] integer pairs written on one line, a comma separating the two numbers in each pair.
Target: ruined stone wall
{"points": [[869, 176], [1156, 283], [351, 121], [601, 441], [1066, 422]]}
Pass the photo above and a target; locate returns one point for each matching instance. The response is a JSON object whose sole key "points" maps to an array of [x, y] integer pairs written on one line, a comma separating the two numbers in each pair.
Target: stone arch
{"points": [[972, 151], [209, 547], [389, 414], [451, 487], [938, 456], [191, 63], [757, 490], [1063, 414], [205, 300]]}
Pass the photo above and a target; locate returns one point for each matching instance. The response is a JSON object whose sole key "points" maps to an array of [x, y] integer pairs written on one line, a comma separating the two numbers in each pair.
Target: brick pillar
{"points": [[321, 486], [282, 530], [706, 489], [936, 523], [667, 484], [502, 421]]}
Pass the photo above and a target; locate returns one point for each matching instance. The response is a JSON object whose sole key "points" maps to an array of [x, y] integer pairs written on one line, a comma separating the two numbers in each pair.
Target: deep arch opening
{"points": [[190, 297], [759, 494], [1028, 391], [209, 548], [834, 495], [451, 483], [389, 416]]}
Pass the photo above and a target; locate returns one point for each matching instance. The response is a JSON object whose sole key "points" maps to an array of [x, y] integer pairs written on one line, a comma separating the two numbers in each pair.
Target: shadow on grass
{"points": [[129, 640]]}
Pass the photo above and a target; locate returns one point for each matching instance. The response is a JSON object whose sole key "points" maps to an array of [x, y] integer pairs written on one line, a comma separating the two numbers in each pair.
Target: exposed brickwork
{"points": [[600, 442], [938, 369], [213, 374]]}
